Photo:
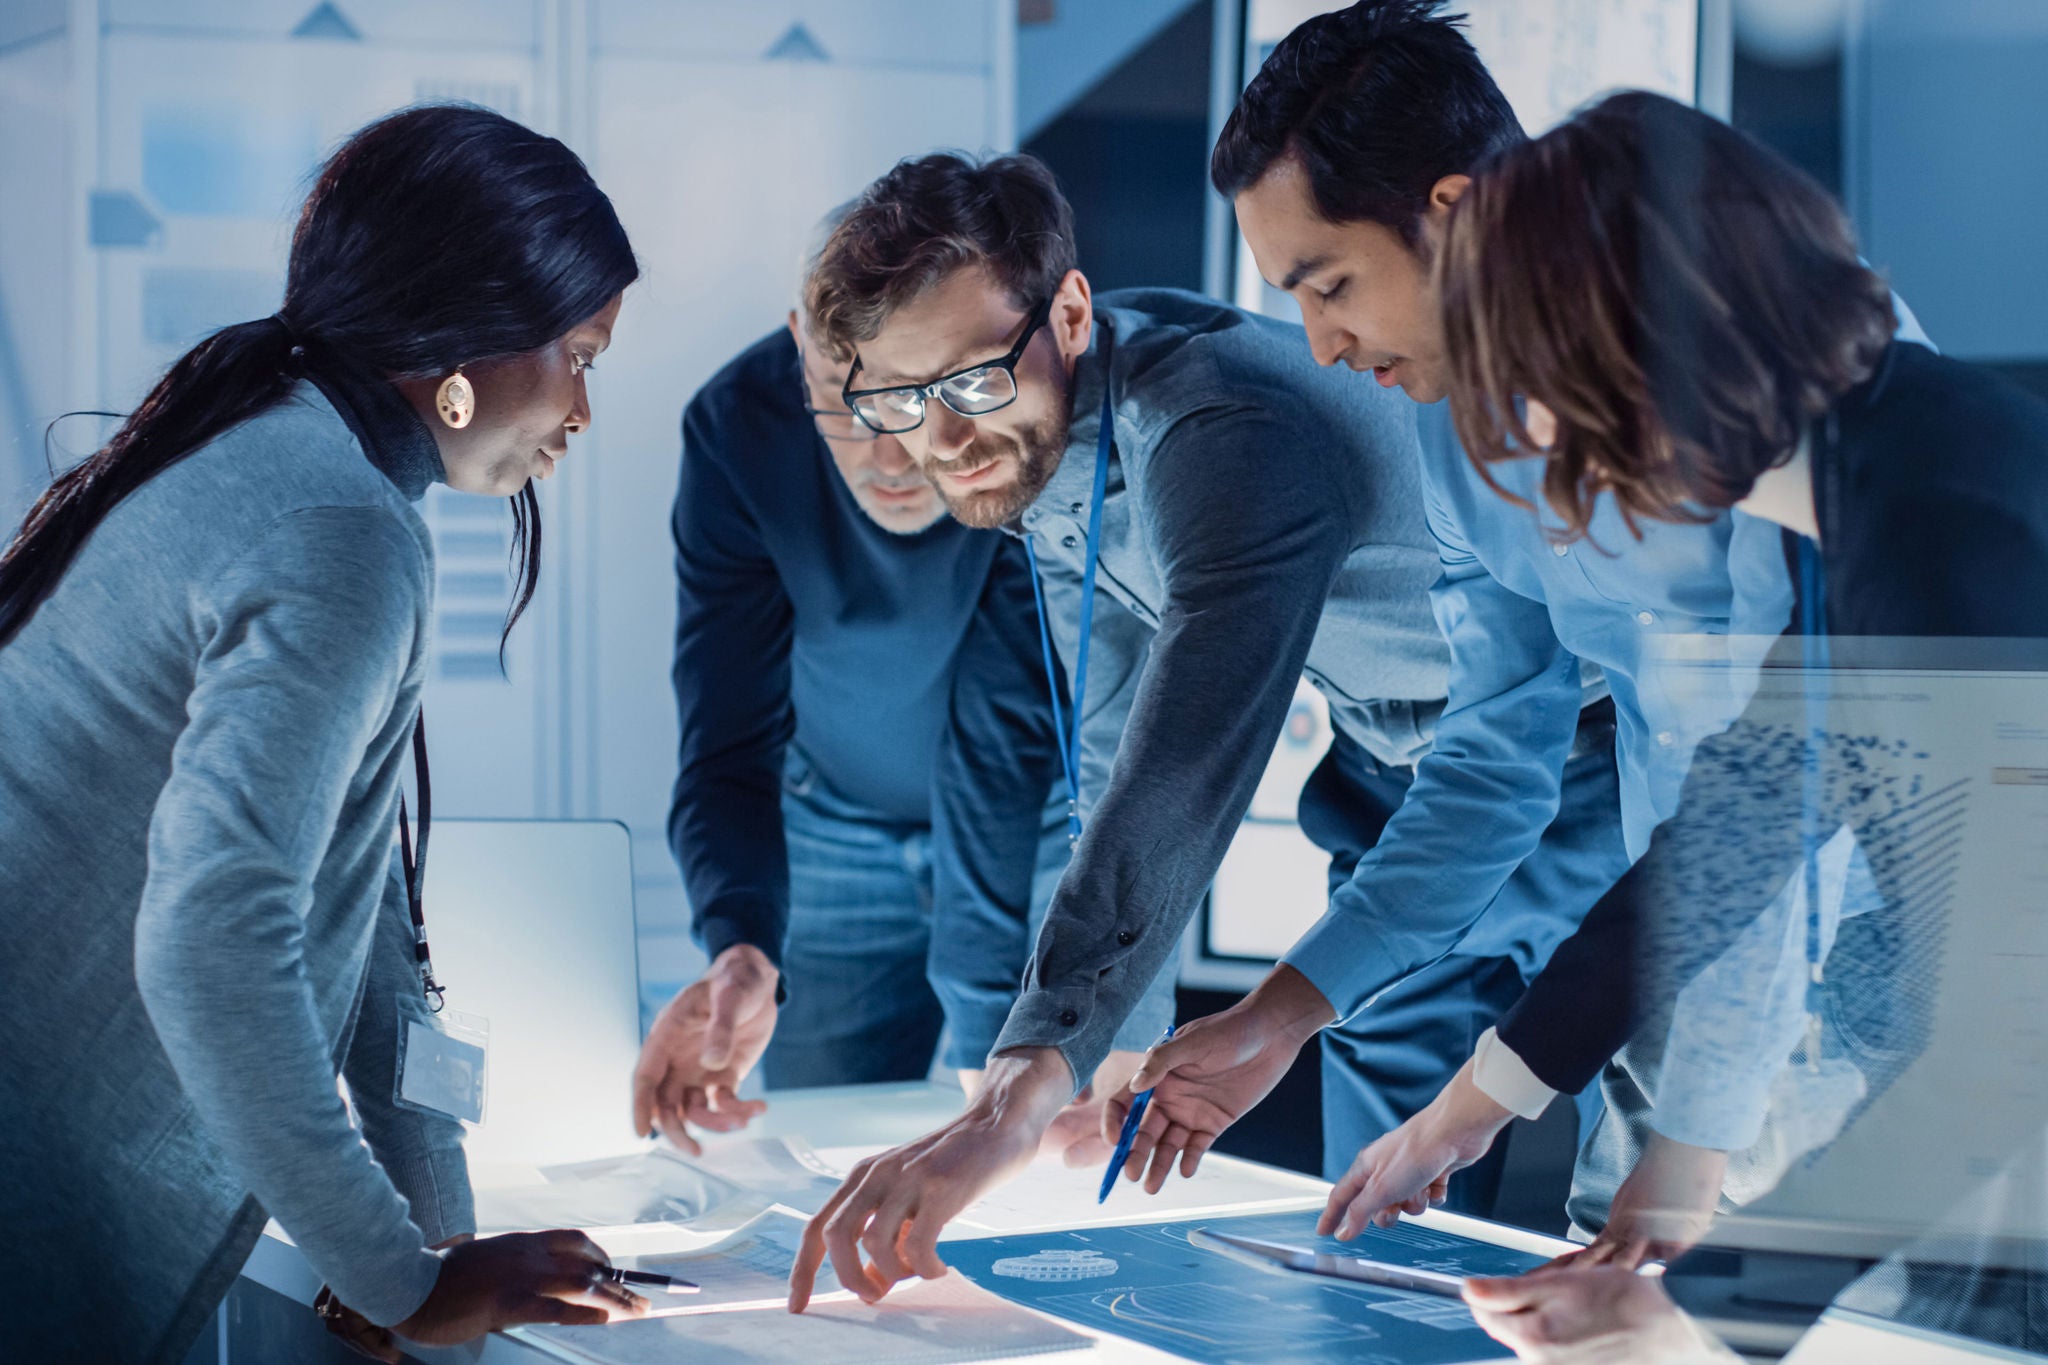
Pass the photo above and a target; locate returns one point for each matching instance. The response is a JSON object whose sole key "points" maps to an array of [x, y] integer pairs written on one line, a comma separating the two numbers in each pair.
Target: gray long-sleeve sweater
{"points": [[201, 739]]}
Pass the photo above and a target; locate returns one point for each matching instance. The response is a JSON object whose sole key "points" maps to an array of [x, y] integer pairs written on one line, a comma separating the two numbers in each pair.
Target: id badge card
{"points": [[442, 1063]]}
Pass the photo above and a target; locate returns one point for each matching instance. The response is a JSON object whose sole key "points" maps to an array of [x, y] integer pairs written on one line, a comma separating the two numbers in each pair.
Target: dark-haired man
{"points": [[1344, 158], [866, 745], [1212, 516]]}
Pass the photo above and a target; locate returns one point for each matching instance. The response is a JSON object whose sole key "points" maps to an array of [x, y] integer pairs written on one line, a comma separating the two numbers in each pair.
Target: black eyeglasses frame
{"points": [[1039, 316]]}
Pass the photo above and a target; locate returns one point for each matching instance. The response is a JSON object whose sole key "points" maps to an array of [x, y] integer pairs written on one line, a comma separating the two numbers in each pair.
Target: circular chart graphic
{"points": [[1056, 1267]]}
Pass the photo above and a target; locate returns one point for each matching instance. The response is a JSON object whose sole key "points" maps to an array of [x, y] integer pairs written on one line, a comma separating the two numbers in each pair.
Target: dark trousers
{"points": [[1384, 1064]]}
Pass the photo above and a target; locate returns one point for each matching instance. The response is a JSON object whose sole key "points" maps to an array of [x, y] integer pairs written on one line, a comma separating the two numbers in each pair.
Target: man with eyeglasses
{"points": [[865, 736], [1211, 517]]}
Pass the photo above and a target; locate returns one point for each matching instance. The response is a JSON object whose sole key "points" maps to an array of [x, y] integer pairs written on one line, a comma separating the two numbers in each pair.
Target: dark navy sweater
{"points": [[802, 623]]}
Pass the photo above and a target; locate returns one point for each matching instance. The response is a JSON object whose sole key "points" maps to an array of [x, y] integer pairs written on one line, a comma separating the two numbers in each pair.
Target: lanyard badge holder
{"points": [[1070, 737], [443, 1054]]}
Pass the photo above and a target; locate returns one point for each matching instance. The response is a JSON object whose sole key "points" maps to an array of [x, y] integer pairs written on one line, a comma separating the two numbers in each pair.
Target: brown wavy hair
{"points": [[1681, 298], [926, 218]]}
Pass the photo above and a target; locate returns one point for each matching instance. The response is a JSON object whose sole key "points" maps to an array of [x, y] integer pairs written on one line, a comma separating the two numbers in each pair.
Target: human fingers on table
{"points": [[920, 1246], [902, 1237], [672, 1103], [539, 1308], [646, 1085], [1511, 1293], [702, 1107], [568, 1244], [1624, 1251], [1197, 1148], [1162, 1058], [1509, 1329], [617, 1300], [1114, 1110], [843, 1230], [1151, 1128], [883, 1235], [810, 1255], [723, 1099], [1171, 1144], [1364, 1196]]}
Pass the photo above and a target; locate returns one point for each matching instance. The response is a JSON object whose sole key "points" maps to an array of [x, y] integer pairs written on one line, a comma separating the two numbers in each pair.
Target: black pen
{"points": [[647, 1279]]}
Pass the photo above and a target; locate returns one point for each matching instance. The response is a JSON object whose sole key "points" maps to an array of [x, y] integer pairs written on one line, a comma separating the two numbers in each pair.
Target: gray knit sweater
{"points": [[201, 738]]}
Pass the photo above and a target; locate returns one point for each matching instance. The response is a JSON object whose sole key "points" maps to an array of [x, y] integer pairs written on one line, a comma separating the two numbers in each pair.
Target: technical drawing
{"points": [[1148, 1283], [1056, 1267]]}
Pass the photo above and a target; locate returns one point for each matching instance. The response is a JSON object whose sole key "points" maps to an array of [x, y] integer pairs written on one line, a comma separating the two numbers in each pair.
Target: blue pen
{"points": [[1129, 1133]]}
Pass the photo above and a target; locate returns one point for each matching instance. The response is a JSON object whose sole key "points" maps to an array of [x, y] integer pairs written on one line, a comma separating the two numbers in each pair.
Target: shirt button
{"points": [[1075, 507], [1664, 737], [1069, 541], [1068, 1018], [1560, 549], [1126, 937], [1646, 617]]}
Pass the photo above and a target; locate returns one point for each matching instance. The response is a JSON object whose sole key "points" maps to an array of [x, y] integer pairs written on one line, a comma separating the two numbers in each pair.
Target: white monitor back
{"points": [[531, 923]]}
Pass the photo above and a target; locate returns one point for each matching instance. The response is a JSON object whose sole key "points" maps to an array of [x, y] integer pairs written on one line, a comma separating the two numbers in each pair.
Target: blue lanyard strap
{"points": [[1070, 734]]}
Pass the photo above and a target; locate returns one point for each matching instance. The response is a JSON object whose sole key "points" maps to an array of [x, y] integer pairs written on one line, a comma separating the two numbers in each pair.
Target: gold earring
{"points": [[456, 400]]}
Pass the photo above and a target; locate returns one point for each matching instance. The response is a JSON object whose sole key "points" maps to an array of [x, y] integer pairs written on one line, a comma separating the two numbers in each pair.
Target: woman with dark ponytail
{"points": [[212, 640]]}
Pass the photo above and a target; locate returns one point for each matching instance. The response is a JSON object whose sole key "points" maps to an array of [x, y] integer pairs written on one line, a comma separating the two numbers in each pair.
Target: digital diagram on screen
{"points": [[1151, 1284]]}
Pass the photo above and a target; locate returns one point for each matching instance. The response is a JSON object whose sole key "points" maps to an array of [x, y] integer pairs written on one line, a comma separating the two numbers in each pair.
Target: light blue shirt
{"points": [[1521, 613], [1525, 617]]}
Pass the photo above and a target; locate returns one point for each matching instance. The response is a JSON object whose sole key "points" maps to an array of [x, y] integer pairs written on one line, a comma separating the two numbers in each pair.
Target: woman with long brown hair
{"points": [[1667, 314]]}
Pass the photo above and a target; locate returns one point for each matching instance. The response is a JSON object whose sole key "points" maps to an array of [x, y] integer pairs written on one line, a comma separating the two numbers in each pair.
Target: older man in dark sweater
{"points": [[851, 665]]}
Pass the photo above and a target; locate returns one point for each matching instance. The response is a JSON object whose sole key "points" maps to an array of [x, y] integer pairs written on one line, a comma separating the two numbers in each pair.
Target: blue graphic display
{"points": [[1151, 1285]]}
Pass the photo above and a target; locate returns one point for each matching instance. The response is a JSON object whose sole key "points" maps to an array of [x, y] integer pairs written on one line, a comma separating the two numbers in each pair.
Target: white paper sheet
{"points": [[1050, 1195], [747, 1268], [925, 1322], [651, 1187], [784, 1170]]}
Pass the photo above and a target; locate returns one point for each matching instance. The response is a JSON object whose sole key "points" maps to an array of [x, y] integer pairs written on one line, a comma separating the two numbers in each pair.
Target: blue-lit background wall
{"points": [[152, 153]]}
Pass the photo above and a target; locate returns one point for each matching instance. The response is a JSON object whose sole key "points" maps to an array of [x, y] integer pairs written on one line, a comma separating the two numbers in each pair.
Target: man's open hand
{"points": [[702, 1045], [1212, 1071], [1661, 1211], [883, 1224], [1409, 1169]]}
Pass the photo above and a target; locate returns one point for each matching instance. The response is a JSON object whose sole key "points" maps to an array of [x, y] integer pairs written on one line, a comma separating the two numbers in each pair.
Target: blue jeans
{"points": [[860, 1007], [1383, 1065]]}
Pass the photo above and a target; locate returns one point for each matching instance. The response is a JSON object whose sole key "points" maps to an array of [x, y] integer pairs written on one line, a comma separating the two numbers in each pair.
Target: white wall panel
{"points": [[719, 169]]}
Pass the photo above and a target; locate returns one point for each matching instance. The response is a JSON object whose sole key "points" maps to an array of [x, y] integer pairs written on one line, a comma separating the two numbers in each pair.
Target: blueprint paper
{"points": [[1050, 1195], [1148, 1283], [926, 1322]]}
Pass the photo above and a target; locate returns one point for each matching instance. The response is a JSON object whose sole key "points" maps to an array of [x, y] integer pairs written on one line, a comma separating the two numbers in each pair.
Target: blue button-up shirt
{"points": [[1526, 617], [1262, 522]]}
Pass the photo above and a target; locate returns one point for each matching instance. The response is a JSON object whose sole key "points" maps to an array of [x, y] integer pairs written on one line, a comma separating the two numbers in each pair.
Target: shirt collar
{"points": [[385, 424]]}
